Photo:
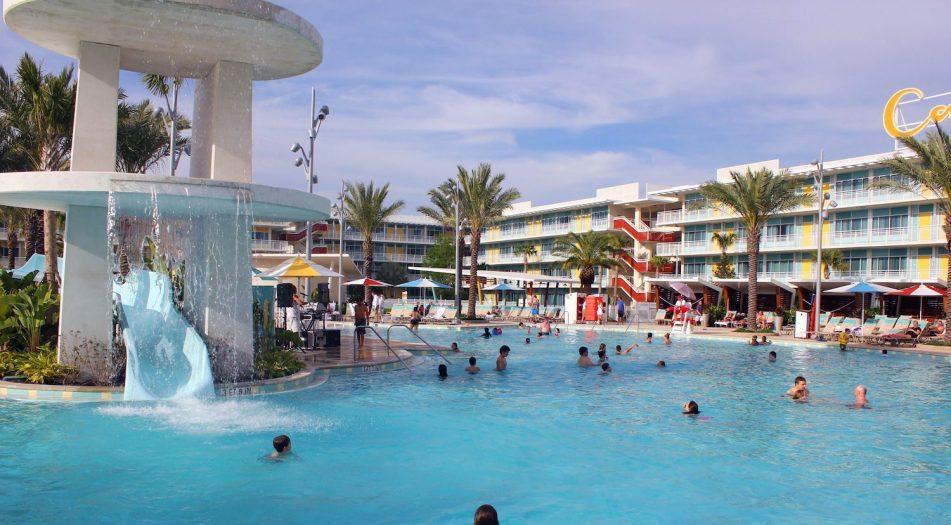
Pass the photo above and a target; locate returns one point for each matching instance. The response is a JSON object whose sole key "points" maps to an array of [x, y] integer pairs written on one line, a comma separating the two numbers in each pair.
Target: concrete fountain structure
{"points": [[225, 45]]}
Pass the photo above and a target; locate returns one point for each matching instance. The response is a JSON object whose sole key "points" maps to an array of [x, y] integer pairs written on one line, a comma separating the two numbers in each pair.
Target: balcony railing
{"points": [[667, 249], [799, 275], [262, 245], [391, 237], [869, 196]]}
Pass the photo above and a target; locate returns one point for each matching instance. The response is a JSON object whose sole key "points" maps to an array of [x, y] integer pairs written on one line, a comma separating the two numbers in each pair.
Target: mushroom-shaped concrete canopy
{"points": [[174, 37]]}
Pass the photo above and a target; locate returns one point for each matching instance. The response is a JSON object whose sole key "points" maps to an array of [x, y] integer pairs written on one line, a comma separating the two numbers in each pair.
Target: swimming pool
{"points": [[544, 442]]}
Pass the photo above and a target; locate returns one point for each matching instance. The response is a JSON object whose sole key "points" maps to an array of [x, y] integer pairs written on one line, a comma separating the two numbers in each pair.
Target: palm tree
{"points": [[163, 86], [583, 252], [442, 209], [142, 136], [754, 196], [482, 201], [831, 260], [40, 105], [929, 170], [658, 262], [15, 220], [724, 240], [365, 208], [525, 250]]}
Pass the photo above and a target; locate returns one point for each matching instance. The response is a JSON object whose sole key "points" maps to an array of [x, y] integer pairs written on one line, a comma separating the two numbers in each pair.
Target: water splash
{"points": [[220, 417]]}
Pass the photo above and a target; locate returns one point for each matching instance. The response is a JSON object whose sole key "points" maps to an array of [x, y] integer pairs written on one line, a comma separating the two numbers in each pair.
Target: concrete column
{"points": [[95, 121], [221, 129], [85, 326]]}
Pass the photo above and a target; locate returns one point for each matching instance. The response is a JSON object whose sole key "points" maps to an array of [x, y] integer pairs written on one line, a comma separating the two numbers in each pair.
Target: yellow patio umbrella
{"points": [[300, 268]]}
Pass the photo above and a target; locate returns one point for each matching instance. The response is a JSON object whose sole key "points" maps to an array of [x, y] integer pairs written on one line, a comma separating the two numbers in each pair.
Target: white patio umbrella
{"points": [[921, 291]]}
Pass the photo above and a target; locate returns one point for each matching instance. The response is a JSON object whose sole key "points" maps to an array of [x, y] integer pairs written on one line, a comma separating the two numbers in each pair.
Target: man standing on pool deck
{"points": [[501, 362], [620, 311], [360, 316]]}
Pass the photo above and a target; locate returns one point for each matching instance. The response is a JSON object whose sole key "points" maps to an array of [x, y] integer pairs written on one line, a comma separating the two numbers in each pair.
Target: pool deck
{"points": [[716, 333]]}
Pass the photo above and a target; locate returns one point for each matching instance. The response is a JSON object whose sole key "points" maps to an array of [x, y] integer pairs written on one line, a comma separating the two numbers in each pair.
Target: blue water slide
{"points": [[166, 358]]}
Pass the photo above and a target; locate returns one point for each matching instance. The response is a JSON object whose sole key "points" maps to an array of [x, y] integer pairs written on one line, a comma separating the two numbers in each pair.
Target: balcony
{"points": [[871, 196], [668, 249], [390, 237], [262, 245]]}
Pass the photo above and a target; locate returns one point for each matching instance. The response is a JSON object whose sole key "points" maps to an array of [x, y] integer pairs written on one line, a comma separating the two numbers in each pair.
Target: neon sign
{"points": [[936, 115]]}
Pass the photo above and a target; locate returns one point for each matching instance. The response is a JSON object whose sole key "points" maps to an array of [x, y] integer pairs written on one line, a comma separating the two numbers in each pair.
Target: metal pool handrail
{"points": [[431, 347], [385, 343]]}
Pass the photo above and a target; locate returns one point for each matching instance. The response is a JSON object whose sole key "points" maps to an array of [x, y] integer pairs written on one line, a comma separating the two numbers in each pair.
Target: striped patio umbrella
{"points": [[921, 291]]}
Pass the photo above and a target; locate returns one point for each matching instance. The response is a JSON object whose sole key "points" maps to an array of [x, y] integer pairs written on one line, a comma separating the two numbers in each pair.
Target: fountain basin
{"points": [[175, 37], [57, 190]]}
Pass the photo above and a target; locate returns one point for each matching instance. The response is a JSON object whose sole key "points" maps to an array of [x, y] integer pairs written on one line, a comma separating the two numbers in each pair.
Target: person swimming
{"points": [[583, 360], [497, 330], [772, 356], [602, 355], [472, 368], [628, 349], [754, 342], [282, 446], [605, 368], [650, 337], [528, 340], [557, 332], [667, 338], [799, 386], [455, 348], [691, 408], [501, 362], [486, 333], [763, 341], [443, 372], [617, 350], [661, 364], [860, 400]]}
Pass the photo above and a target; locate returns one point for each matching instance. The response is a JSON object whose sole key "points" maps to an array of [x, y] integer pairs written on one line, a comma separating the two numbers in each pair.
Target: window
{"points": [[695, 234], [781, 227], [743, 266], [851, 222], [890, 218], [780, 263], [259, 236], [695, 266], [856, 260], [599, 216], [889, 261], [851, 182]]}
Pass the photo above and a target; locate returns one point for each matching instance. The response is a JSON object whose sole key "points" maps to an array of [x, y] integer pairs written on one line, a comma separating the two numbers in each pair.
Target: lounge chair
{"points": [[437, 314], [728, 320], [848, 324], [661, 317]]}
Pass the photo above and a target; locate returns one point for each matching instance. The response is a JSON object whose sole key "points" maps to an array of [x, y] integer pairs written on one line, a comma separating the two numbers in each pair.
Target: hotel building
{"points": [[403, 239], [888, 237], [626, 210]]}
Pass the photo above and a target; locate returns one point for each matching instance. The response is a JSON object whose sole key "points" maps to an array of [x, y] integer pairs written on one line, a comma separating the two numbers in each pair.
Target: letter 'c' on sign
{"points": [[936, 115]]}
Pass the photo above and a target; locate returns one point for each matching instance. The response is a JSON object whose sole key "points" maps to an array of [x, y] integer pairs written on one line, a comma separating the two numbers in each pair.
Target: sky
{"points": [[564, 97]]}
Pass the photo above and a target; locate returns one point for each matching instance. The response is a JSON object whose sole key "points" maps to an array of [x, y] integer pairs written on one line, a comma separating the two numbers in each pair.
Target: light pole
{"points": [[337, 211], [824, 197], [307, 160]]}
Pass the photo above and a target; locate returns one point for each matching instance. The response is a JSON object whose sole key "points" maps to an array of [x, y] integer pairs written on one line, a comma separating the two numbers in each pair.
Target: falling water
{"points": [[182, 267]]}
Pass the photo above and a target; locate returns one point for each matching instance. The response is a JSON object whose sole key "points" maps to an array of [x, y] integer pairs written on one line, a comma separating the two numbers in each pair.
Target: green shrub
{"points": [[9, 363], [716, 313], [277, 363], [287, 336], [41, 367], [25, 315]]}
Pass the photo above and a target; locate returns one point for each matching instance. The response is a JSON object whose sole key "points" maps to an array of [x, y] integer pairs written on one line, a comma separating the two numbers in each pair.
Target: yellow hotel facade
{"points": [[887, 237]]}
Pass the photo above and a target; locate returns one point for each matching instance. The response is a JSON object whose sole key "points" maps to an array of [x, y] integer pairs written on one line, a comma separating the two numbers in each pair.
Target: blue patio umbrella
{"points": [[423, 283], [502, 287], [863, 288]]}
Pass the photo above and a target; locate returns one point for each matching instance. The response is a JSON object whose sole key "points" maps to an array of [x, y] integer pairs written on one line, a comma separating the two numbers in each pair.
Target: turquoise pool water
{"points": [[544, 442]]}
